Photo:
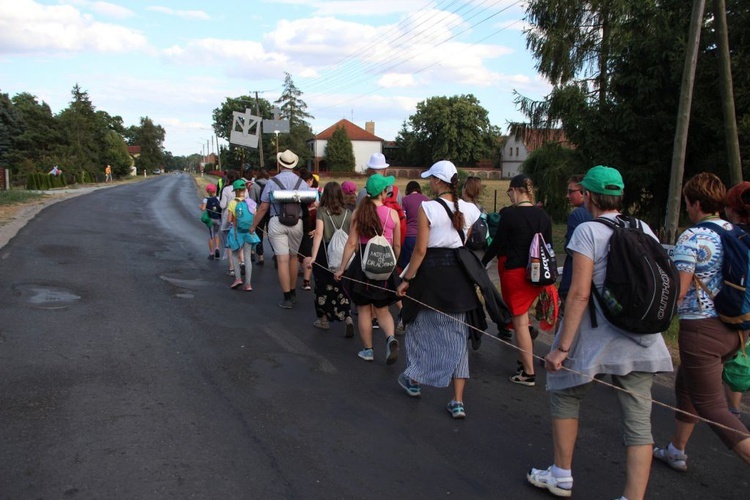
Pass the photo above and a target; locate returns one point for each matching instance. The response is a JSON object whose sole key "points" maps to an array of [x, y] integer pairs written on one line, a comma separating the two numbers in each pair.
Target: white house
{"points": [[364, 143], [518, 147]]}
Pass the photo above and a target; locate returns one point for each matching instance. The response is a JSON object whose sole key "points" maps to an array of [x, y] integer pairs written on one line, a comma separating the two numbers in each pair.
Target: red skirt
{"points": [[517, 292]]}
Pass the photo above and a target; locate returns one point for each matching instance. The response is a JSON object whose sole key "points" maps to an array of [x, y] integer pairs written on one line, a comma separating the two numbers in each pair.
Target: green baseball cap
{"points": [[376, 184], [603, 180], [239, 184]]}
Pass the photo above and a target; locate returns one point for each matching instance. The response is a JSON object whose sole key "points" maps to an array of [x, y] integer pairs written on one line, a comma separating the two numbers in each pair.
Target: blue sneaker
{"points": [[366, 354], [412, 388], [456, 409]]}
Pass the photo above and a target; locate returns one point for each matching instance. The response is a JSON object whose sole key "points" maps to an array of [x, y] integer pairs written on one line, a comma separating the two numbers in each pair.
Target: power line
{"points": [[382, 68]]}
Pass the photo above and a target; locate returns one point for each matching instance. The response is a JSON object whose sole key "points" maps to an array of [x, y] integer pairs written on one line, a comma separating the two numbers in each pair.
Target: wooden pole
{"points": [[727, 94], [683, 122]]}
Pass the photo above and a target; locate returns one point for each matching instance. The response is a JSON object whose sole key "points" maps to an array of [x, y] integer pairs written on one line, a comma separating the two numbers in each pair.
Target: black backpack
{"points": [[290, 210], [478, 236], [642, 283], [213, 207]]}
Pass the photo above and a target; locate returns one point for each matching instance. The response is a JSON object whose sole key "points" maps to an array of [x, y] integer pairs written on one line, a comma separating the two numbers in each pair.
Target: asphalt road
{"points": [[129, 369]]}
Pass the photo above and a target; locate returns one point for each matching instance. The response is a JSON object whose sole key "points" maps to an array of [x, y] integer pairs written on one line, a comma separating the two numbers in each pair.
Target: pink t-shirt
{"points": [[384, 213]]}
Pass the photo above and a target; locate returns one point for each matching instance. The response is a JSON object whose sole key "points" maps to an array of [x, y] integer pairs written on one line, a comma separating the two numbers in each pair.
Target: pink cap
{"points": [[210, 188], [349, 187]]}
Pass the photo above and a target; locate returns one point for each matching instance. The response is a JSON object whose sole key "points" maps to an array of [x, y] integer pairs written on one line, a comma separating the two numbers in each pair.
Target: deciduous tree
{"points": [[454, 128]]}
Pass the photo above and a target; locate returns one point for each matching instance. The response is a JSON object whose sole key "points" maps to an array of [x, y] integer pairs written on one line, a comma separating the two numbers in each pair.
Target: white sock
{"points": [[674, 451], [559, 473]]}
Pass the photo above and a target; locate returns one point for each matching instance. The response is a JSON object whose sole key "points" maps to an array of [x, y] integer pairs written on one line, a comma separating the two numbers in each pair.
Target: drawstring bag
{"points": [[378, 258]]}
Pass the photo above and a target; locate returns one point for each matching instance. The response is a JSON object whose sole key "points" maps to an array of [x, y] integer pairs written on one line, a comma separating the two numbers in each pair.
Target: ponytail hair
{"points": [[458, 216]]}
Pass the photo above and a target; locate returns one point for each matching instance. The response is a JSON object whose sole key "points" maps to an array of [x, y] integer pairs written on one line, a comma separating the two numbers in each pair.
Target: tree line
{"points": [[78, 139]]}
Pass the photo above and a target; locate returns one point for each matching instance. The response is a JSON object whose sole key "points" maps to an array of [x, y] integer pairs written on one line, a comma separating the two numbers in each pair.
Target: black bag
{"points": [[213, 207], [478, 236], [290, 210], [642, 283]]}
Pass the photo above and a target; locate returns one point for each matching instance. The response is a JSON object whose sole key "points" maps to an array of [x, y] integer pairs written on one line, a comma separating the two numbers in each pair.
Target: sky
{"points": [[176, 61]]}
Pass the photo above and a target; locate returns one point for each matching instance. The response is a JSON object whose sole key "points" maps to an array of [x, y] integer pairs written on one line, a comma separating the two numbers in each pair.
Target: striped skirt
{"points": [[437, 348]]}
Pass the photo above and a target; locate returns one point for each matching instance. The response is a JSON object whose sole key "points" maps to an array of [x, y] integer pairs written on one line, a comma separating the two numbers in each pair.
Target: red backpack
{"points": [[391, 201]]}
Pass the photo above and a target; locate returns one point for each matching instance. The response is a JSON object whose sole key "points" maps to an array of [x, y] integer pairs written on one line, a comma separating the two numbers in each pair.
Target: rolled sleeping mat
{"points": [[293, 196]]}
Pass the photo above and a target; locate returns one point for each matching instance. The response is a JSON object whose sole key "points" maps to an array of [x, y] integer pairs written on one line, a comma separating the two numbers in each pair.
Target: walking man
{"points": [[285, 240]]}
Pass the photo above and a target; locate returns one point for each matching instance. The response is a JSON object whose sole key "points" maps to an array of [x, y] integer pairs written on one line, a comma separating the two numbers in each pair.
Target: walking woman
{"points": [[261, 179], [436, 340], [588, 353], [331, 303], [370, 218], [705, 342], [510, 244]]}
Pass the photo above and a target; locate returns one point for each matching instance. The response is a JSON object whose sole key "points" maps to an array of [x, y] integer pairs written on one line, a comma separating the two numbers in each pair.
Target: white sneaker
{"points": [[678, 461], [558, 486]]}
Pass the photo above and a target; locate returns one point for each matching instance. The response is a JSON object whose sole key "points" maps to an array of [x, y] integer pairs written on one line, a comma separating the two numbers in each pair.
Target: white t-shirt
{"points": [[442, 232]]}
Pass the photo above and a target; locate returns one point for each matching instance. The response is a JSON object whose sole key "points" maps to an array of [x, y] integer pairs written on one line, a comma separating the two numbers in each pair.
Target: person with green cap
{"points": [[241, 241], [370, 218], [580, 353]]}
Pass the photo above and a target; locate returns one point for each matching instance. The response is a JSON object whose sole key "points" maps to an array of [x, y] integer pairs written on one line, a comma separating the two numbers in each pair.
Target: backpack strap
{"points": [[450, 216]]}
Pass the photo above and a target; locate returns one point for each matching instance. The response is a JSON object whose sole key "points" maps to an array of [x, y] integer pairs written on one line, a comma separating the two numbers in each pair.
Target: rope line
{"points": [[501, 341]]}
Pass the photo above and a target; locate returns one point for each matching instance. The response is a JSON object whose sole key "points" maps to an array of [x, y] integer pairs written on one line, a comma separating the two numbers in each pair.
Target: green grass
{"points": [[17, 196]]}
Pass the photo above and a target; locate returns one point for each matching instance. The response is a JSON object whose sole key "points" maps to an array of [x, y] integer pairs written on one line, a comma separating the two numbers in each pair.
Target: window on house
{"points": [[511, 152], [516, 151]]}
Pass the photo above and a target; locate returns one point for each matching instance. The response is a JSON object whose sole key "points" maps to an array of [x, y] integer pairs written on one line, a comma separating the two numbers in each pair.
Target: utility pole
{"points": [[727, 94], [683, 122], [260, 128]]}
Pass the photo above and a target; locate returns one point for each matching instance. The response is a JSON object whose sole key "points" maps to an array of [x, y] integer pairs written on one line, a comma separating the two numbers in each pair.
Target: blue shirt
{"points": [[576, 217]]}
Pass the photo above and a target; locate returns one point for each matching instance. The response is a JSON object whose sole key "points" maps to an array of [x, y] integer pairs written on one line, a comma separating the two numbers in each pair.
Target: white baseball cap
{"points": [[443, 170]]}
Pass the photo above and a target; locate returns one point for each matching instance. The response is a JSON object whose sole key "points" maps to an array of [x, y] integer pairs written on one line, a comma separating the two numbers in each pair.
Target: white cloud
{"points": [[184, 14], [28, 27], [237, 58], [391, 80], [112, 10]]}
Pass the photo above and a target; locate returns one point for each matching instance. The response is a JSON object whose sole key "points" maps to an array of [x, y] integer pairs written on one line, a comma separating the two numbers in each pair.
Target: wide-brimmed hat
{"points": [[377, 162], [349, 187], [376, 184], [443, 170], [239, 184], [287, 159], [603, 180]]}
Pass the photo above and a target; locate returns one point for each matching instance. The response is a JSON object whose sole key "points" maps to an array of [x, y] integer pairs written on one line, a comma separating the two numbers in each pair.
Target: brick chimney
{"points": [[370, 127]]}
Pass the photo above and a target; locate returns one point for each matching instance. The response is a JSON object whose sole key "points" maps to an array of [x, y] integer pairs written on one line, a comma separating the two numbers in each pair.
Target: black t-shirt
{"points": [[517, 227]]}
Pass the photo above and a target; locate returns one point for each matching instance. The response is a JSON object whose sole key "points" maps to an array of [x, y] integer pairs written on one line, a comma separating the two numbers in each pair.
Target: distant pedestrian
{"points": [[226, 196], [212, 205], [108, 174], [349, 189], [256, 190], [411, 203], [241, 241]]}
